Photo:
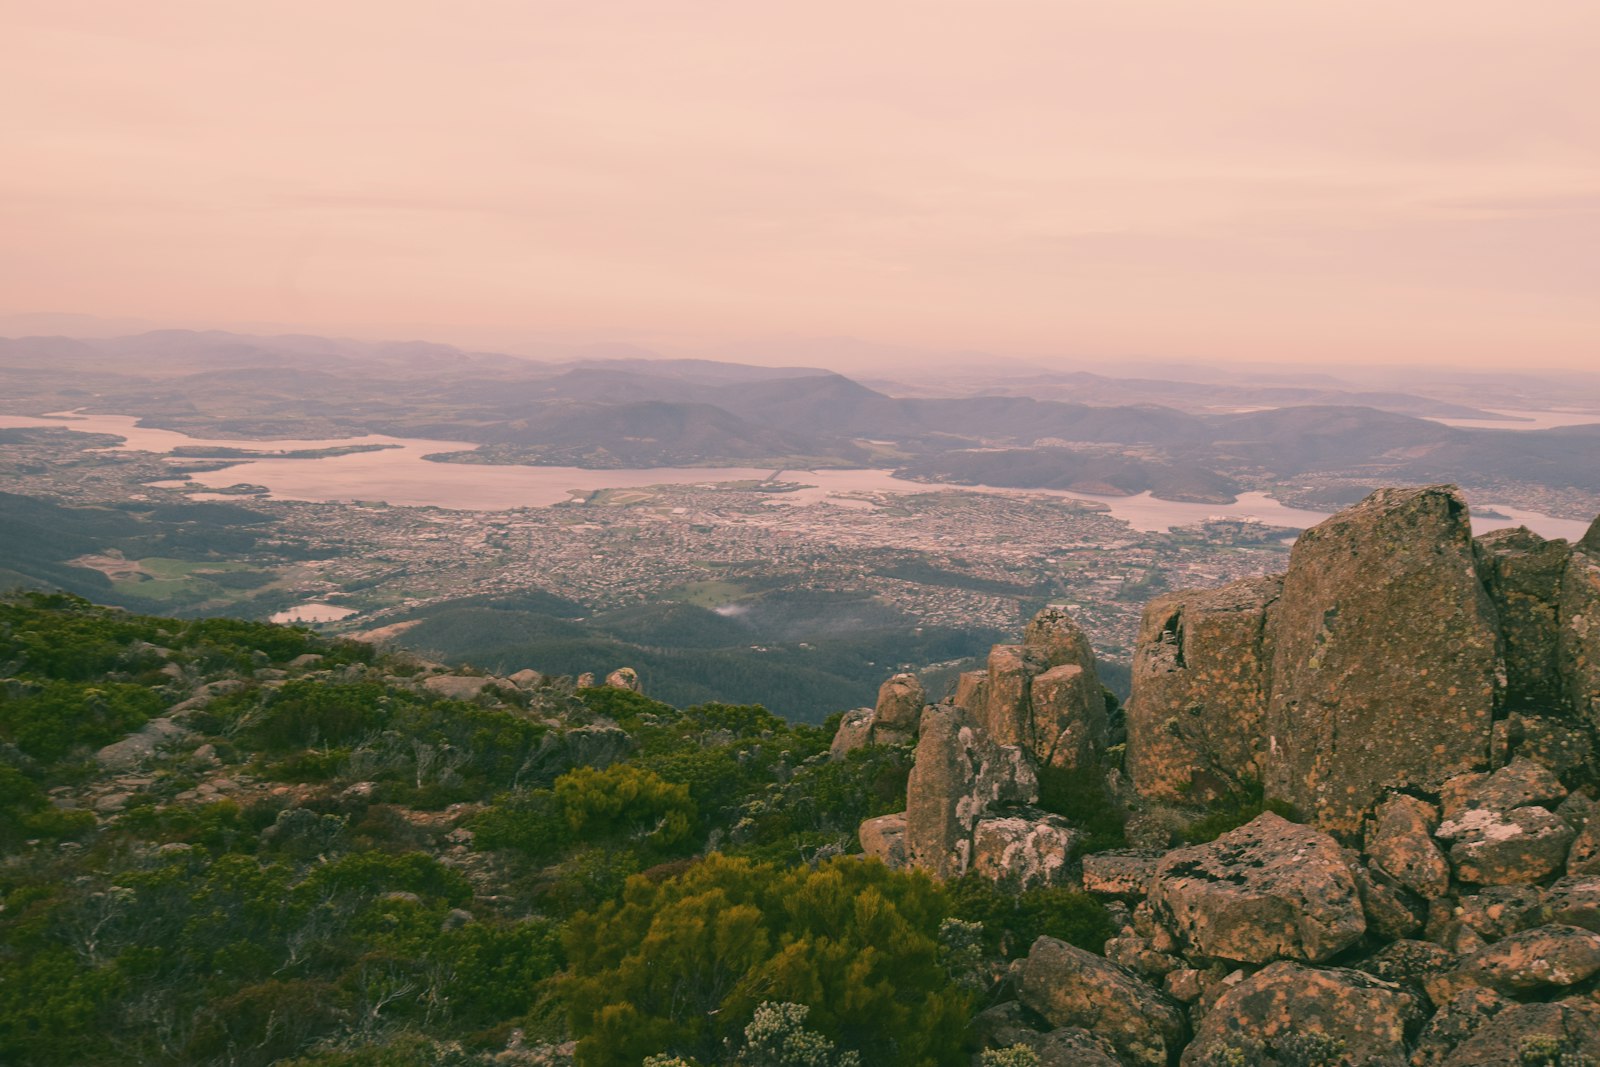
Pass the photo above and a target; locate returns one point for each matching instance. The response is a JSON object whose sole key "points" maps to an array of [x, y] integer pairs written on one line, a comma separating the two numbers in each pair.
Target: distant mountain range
{"points": [[1071, 431]]}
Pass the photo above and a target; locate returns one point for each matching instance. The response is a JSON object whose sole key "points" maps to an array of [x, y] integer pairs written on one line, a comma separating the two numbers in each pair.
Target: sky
{"points": [[1253, 180]]}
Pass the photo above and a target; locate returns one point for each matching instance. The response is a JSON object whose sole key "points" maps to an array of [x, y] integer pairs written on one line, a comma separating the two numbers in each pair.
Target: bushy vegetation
{"points": [[393, 877]]}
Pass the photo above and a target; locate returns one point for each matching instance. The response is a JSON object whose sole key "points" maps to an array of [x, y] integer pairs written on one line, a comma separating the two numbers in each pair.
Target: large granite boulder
{"points": [[1520, 783], [1073, 988], [855, 731], [898, 711], [1384, 659], [960, 774], [1269, 890], [1287, 1015], [1578, 644], [1044, 694], [1197, 713], [1575, 901], [1522, 572]]}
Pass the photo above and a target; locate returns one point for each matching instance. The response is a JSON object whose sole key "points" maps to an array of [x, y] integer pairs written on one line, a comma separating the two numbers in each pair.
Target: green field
{"points": [[705, 594]]}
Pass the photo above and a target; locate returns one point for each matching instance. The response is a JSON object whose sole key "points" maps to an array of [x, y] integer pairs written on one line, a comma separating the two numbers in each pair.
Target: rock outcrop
{"points": [[1196, 718], [1269, 890], [1384, 659], [892, 721], [1044, 695], [1071, 987]]}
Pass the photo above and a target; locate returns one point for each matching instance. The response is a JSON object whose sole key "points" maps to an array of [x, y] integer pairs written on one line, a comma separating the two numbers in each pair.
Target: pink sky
{"points": [[1244, 179]]}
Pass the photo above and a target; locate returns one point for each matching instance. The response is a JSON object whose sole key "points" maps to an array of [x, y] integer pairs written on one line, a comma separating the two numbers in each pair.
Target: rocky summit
{"points": [[1357, 807]]}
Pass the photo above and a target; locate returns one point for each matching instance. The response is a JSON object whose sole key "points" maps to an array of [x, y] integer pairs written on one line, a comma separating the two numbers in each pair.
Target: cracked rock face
{"points": [[1196, 717], [1523, 573], [1023, 852], [1269, 890], [1044, 694], [1384, 665], [960, 774], [1578, 643]]}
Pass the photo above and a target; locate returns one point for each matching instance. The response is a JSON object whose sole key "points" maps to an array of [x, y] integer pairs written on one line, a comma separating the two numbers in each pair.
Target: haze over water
{"points": [[399, 475]]}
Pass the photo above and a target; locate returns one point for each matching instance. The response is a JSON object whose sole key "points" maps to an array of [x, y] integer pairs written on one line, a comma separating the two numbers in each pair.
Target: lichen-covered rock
{"points": [[1139, 955], [1073, 988], [1022, 852], [1584, 855], [1532, 1033], [1454, 1022], [959, 776], [1531, 961], [972, 694], [1520, 783], [1575, 901], [1408, 962], [885, 838], [1384, 663], [1500, 848], [1563, 745], [898, 710], [1282, 1014], [855, 731], [1123, 873], [1498, 911], [1269, 890], [1008, 710], [1400, 844], [1391, 912], [1196, 716], [1578, 646], [1055, 634], [1069, 717], [1522, 572]]}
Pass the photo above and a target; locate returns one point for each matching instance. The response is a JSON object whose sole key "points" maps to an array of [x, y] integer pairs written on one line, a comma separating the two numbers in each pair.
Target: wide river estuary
{"points": [[400, 475]]}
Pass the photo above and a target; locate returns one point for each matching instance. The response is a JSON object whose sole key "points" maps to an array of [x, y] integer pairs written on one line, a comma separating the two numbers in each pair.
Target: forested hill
{"points": [[235, 843]]}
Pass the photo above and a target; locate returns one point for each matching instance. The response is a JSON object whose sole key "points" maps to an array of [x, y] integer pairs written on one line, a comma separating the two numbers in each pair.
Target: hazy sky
{"points": [[1251, 179]]}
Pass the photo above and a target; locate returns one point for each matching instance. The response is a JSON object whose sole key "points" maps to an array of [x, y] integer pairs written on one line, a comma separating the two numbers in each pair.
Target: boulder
{"points": [[1055, 634], [1578, 642], [1520, 783], [1535, 1034], [1400, 845], [1522, 573], [1584, 855], [1532, 961], [1498, 911], [1269, 890], [1073, 988], [1197, 712], [527, 678], [972, 694], [1499, 848], [624, 678], [898, 710], [144, 743], [1069, 717], [1384, 657], [1123, 873], [1408, 962], [1391, 912], [885, 838], [1022, 852], [1454, 1022], [855, 731], [1575, 901], [1008, 710], [958, 776], [1286, 1014]]}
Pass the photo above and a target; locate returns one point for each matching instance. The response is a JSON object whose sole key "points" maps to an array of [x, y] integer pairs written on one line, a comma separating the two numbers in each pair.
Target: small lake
{"points": [[400, 475]]}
